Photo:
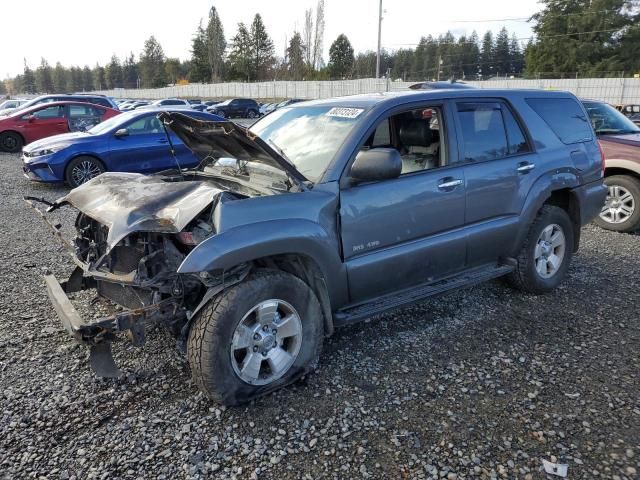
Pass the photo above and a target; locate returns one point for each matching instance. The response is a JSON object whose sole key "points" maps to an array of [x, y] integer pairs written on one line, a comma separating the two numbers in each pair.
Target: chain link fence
{"points": [[612, 90]]}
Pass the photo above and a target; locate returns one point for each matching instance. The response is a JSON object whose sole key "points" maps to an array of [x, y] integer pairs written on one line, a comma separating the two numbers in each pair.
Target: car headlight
{"points": [[40, 152]]}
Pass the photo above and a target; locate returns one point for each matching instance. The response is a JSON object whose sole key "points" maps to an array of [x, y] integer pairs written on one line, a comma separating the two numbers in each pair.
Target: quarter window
{"points": [[565, 117]]}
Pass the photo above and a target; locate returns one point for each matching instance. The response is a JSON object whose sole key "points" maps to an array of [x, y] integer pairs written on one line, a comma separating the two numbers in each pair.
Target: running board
{"points": [[415, 294]]}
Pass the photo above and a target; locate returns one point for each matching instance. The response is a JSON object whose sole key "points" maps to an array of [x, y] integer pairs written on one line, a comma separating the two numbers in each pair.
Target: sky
{"points": [[78, 32]]}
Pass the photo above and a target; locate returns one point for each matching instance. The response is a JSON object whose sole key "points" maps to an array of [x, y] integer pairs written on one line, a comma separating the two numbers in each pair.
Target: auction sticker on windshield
{"points": [[344, 112]]}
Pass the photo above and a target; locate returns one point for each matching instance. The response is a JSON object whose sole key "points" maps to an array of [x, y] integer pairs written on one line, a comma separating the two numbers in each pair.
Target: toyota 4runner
{"points": [[326, 213]]}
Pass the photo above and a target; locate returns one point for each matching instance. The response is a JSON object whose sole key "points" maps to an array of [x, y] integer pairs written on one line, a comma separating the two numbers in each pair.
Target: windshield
{"points": [[606, 119], [226, 102], [308, 136], [108, 124]]}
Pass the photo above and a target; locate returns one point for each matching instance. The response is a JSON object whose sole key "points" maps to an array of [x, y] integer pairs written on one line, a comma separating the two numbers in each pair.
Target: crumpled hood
{"points": [[130, 202], [208, 139]]}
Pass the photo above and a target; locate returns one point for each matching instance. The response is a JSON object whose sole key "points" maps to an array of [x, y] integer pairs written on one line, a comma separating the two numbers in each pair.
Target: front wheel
{"points": [[82, 169], [10, 142], [621, 211], [256, 337], [546, 253]]}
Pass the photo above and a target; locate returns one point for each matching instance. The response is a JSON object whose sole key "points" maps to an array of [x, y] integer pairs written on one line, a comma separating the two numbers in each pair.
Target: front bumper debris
{"points": [[98, 334]]}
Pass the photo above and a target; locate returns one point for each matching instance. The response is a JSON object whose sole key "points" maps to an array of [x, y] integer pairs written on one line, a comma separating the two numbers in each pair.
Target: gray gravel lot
{"points": [[480, 383]]}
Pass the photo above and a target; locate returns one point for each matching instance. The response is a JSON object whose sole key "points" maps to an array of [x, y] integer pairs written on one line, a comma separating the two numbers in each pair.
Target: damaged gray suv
{"points": [[325, 213]]}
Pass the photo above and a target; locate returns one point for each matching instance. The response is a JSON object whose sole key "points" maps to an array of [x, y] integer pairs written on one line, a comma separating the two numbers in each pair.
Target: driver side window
{"points": [[144, 126], [417, 135]]}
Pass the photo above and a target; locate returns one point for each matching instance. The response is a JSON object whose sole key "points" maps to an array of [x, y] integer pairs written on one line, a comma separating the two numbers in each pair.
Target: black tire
{"points": [[11, 142], [90, 165], [630, 223], [220, 114], [526, 277], [209, 347], [252, 114]]}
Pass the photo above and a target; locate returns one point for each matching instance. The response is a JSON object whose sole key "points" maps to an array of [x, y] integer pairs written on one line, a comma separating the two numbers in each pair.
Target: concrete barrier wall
{"points": [[612, 90]]}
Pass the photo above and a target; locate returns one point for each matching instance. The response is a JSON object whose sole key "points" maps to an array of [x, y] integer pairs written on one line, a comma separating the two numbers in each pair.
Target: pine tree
{"points": [[44, 81], [200, 71], [59, 78], [341, 57], [262, 49], [152, 64], [515, 56], [130, 72], [87, 79], [216, 45], [487, 66], [240, 57], [28, 80], [502, 53], [113, 73], [99, 81], [296, 57]]}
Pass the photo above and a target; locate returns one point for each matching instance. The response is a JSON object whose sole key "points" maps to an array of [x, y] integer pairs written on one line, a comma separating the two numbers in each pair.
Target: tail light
{"points": [[187, 238], [602, 158]]}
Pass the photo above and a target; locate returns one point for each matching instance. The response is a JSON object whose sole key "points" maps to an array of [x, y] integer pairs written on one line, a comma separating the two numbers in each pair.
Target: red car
{"points": [[48, 119]]}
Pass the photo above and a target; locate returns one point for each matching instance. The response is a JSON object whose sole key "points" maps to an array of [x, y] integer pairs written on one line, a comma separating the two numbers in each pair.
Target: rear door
{"points": [[499, 169], [408, 230], [82, 117], [145, 148]]}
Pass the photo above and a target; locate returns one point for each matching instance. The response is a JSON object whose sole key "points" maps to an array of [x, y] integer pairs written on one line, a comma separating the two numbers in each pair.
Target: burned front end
{"points": [[132, 234]]}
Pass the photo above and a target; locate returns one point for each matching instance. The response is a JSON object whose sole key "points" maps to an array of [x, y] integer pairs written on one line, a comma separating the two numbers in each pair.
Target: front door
{"points": [[43, 123], [408, 230], [144, 149]]}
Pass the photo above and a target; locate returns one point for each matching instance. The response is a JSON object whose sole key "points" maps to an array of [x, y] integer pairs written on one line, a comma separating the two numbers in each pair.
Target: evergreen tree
{"points": [[3, 88], [130, 72], [262, 49], [87, 79], [113, 73], [44, 80], [502, 53], [296, 57], [173, 70], [99, 80], [28, 80], [216, 45], [471, 57], [74, 80], [199, 71], [240, 57], [487, 66], [515, 55], [341, 57], [59, 78], [152, 72]]}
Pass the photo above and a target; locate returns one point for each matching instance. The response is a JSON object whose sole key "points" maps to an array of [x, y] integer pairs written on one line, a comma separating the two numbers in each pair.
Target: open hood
{"points": [[227, 139], [130, 202]]}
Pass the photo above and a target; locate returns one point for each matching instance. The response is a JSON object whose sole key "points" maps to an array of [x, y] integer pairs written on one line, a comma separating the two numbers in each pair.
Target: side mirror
{"points": [[31, 118], [376, 164], [122, 132]]}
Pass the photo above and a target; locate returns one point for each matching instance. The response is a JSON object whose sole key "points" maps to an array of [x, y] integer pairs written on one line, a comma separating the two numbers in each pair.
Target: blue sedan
{"points": [[130, 142]]}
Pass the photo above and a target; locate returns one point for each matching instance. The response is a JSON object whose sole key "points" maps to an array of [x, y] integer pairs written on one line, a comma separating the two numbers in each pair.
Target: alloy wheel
{"points": [[549, 251], [266, 342], [85, 171], [619, 205]]}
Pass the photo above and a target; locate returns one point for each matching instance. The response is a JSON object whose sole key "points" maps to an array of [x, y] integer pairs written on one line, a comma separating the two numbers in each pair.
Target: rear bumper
{"points": [[591, 198]]}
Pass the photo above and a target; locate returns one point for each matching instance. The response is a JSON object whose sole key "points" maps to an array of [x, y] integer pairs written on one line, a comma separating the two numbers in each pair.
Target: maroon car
{"points": [[620, 141]]}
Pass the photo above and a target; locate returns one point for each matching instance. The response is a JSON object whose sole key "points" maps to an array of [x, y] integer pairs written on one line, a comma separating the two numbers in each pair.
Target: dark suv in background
{"points": [[382, 200], [236, 107]]}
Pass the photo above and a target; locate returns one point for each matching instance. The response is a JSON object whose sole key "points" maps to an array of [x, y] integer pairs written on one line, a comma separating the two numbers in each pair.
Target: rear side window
{"points": [[565, 117], [483, 132]]}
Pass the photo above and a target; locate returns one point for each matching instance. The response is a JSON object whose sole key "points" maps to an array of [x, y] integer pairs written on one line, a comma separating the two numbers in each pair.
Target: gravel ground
{"points": [[479, 383]]}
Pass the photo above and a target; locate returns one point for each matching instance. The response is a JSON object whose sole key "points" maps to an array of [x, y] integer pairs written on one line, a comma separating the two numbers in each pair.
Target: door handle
{"points": [[449, 183], [163, 141], [526, 167]]}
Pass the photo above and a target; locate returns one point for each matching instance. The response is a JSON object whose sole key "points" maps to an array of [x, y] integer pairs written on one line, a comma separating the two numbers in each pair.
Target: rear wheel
{"points": [[82, 169], [546, 253], [621, 211], [10, 142], [255, 337], [252, 114]]}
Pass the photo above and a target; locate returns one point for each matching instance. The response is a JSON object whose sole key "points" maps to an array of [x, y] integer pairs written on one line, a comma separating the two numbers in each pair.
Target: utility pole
{"points": [[379, 39]]}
